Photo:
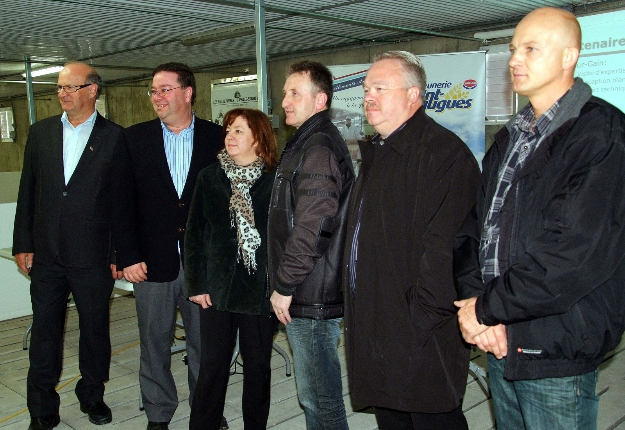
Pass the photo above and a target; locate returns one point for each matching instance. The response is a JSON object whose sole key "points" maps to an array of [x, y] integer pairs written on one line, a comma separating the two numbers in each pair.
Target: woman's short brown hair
{"points": [[262, 131]]}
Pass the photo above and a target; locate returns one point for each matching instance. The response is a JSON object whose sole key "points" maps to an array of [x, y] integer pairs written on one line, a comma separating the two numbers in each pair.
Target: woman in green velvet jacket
{"points": [[226, 269]]}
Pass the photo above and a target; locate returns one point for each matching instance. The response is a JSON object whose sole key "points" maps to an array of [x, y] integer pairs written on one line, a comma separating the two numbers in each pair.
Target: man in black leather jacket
{"points": [[540, 260], [307, 219]]}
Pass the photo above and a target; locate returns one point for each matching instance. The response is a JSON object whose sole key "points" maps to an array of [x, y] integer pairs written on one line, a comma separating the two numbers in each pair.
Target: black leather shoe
{"points": [[98, 413], [44, 423], [152, 425], [224, 424]]}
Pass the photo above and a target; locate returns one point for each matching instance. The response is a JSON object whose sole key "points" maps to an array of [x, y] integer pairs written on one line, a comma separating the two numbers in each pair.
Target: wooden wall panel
{"points": [[12, 153]]}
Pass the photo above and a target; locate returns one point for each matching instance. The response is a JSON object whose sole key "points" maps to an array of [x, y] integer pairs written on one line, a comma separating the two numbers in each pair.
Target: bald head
{"points": [[560, 24], [545, 48], [85, 70], [79, 87]]}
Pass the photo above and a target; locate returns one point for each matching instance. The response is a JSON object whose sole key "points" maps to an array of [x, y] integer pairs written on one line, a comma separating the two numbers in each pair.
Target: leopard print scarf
{"points": [[241, 211]]}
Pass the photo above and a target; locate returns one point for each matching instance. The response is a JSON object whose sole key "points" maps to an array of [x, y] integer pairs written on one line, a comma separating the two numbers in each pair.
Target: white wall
{"points": [[14, 285]]}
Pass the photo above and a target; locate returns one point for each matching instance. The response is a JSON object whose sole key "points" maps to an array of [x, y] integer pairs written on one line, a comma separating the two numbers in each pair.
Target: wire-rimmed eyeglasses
{"points": [[70, 88], [162, 92]]}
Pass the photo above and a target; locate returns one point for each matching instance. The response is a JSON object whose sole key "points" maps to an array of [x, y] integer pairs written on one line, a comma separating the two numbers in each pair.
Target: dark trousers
{"points": [[218, 332], [391, 419], [49, 290]]}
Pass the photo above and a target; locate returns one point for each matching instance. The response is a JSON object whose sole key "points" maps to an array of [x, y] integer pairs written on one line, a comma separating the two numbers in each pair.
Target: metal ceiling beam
{"points": [[261, 56], [62, 63], [325, 17], [29, 90]]}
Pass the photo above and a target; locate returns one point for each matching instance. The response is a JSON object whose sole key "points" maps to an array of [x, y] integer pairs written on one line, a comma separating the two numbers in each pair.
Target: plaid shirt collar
{"points": [[525, 136], [526, 122]]}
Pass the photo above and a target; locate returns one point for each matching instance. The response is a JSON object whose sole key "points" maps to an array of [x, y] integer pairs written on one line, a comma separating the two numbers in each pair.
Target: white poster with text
{"points": [[237, 92]]}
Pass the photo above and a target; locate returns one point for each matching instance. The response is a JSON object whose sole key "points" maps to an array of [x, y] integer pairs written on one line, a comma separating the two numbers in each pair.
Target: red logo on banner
{"points": [[469, 84]]}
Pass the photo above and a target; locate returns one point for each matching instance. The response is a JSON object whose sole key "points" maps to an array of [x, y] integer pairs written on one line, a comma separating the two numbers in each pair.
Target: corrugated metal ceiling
{"points": [[126, 39]]}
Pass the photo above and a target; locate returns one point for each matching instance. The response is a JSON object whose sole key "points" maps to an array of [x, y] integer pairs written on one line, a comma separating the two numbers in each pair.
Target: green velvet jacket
{"points": [[210, 262]]}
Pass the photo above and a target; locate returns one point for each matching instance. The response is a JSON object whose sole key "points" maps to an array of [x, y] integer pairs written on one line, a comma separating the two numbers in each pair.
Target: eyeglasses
{"points": [[70, 88], [162, 92]]}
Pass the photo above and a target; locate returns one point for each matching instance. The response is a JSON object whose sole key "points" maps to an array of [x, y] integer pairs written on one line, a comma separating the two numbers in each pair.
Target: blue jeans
{"points": [[318, 372], [566, 403]]}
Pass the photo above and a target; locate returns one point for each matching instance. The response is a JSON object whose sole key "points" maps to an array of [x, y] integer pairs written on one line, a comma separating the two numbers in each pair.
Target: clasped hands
{"points": [[491, 339]]}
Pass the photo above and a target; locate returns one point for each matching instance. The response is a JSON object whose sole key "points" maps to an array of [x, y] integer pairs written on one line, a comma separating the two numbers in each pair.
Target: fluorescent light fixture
{"points": [[222, 33], [45, 71], [494, 34]]}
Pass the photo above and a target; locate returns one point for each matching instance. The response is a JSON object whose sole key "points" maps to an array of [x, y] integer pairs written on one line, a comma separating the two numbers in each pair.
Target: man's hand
{"points": [[281, 305], [24, 261], [493, 340], [203, 300], [136, 273], [467, 319], [117, 274]]}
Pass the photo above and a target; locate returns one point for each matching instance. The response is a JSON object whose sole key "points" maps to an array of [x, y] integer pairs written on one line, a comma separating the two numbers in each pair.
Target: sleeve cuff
{"points": [[481, 315], [285, 289]]}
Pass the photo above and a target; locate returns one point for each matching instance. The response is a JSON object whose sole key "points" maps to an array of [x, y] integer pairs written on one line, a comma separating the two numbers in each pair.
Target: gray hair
{"points": [[414, 73], [95, 78]]}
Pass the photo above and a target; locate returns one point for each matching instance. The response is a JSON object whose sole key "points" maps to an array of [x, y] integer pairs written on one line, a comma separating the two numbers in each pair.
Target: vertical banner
{"points": [[455, 97], [347, 111], [230, 93]]}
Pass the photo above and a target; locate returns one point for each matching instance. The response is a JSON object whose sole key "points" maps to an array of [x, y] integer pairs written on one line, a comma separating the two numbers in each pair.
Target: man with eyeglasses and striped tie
{"points": [[155, 178], [61, 238]]}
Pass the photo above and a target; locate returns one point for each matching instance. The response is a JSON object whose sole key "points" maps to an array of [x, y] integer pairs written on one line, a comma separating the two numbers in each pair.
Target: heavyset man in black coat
{"points": [[62, 239], [417, 182]]}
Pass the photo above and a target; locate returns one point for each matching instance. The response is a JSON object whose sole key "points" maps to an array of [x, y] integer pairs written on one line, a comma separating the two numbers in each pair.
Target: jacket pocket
{"points": [[580, 342], [424, 318], [324, 235]]}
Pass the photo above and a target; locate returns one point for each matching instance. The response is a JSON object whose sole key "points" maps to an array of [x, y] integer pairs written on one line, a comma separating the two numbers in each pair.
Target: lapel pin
{"points": [[91, 148]]}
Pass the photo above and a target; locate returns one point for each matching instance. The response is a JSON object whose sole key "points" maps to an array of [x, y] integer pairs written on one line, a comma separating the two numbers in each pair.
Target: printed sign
{"points": [[235, 92], [455, 97]]}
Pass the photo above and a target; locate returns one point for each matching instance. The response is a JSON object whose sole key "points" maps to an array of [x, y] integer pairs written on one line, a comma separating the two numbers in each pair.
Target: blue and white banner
{"points": [[455, 98]]}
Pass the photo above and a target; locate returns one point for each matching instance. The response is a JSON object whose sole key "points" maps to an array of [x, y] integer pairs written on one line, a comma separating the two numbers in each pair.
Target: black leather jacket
{"points": [[308, 217]]}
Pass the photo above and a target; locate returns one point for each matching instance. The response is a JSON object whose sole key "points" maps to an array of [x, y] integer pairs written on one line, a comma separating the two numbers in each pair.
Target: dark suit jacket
{"points": [[151, 219], [69, 224]]}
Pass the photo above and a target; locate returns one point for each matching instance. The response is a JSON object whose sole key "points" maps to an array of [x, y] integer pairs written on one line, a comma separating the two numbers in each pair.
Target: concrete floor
{"points": [[122, 391]]}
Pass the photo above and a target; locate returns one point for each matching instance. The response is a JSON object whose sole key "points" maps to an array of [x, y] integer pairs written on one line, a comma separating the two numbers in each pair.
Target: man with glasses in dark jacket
{"points": [[62, 240], [154, 182], [417, 182]]}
